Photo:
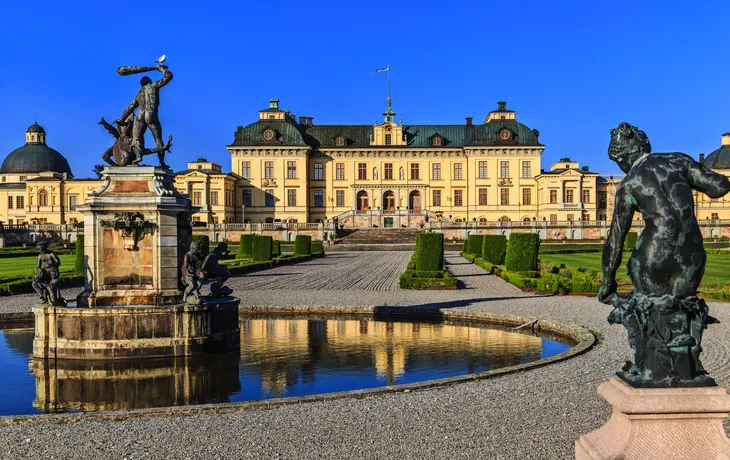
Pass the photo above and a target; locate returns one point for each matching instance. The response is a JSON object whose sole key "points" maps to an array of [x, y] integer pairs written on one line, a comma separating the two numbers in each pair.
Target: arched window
{"points": [[437, 141], [482, 220], [42, 198], [457, 220], [340, 141]]}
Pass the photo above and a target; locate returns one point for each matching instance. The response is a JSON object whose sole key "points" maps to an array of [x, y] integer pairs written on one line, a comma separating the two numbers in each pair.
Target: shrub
{"points": [[204, 243], [418, 279], [276, 248], [466, 243], [303, 245], [474, 244], [245, 248], [630, 240], [262, 248], [494, 248], [317, 247], [430, 251], [79, 262], [522, 252]]}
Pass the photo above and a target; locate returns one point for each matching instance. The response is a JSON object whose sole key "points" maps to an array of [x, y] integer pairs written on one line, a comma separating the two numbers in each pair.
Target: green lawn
{"points": [[716, 271], [20, 267]]}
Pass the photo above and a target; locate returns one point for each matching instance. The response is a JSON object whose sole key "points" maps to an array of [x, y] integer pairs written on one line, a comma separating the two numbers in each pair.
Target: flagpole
{"points": [[388, 85]]}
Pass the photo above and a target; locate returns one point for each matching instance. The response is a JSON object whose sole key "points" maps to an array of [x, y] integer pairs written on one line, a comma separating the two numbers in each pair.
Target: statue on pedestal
{"points": [[664, 317], [128, 149], [48, 277], [191, 275], [213, 268]]}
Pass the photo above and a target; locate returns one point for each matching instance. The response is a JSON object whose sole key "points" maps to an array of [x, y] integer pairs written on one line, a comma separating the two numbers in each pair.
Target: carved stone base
{"points": [[133, 332], [659, 423]]}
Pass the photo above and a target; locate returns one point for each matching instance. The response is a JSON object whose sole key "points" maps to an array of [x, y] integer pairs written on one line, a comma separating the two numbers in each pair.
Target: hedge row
{"points": [[303, 245], [245, 248], [494, 248], [474, 244], [24, 286], [276, 248], [32, 251], [522, 252], [79, 262], [262, 248], [421, 279], [317, 247], [241, 267], [429, 253]]}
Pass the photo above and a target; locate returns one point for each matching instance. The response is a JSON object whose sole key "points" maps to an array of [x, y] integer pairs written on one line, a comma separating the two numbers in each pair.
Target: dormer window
{"points": [[272, 117], [437, 141], [388, 139], [340, 141]]}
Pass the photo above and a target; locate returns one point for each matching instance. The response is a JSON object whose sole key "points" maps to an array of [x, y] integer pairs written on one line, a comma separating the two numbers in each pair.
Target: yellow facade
{"points": [[211, 191]]}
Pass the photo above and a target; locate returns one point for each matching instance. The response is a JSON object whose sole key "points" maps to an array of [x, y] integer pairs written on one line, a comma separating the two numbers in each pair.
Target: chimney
{"points": [[469, 121], [303, 121], [725, 139], [310, 121], [702, 158]]}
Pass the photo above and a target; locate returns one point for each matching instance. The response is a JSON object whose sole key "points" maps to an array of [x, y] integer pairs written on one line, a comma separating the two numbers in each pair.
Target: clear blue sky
{"points": [[573, 70]]}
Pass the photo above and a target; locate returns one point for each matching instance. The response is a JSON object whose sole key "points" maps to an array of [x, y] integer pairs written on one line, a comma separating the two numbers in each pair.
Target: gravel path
{"points": [[537, 414]]}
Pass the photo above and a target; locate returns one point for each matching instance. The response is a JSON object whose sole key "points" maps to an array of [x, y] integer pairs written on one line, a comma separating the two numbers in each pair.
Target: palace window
{"points": [[319, 171], [23, 178], [269, 198], [586, 196], [504, 196], [571, 217], [553, 196], [568, 196], [19, 202], [458, 198], [196, 198], [229, 197], [42, 198], [526, 170], [586, 218], [291, 169], [504, 169], [437, 141], [714, 216], [526, 196], [214, 198], [246, 198], [482, 197], [196, 218], [602, 200], [10, 202], [362, 171], [291, 197], [388, 139], [553, 218], [436, 171], [246, 169], [457, 171], [415, 171], [268, 170], [340, 171], [482, 170], [340, 141], [436, 198], [388, 171], [340, 196], [318, 198]]}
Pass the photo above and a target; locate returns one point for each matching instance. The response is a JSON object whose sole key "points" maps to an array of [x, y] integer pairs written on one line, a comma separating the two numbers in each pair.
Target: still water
{"points": [[279, 357]]}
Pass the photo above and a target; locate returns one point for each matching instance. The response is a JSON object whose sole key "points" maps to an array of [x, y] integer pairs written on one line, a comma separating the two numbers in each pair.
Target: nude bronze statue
{"points": [[664, 317], [48, 277], [213, 268], [122, 151], [191, 275], [147, 101]]}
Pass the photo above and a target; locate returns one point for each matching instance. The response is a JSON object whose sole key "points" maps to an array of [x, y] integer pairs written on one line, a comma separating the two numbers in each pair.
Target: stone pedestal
{"points": [[137, 230], [659, 423]]}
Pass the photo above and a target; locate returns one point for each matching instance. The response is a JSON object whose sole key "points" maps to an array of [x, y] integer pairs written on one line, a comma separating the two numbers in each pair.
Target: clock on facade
{"points": [[504, 134], [268, 135]]}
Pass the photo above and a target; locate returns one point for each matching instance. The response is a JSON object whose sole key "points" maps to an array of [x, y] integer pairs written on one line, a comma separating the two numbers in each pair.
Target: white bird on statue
{"points": [[162, 59]]}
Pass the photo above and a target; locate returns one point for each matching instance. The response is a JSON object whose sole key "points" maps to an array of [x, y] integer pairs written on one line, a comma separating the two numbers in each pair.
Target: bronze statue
{"points": [[147, 101], [213, 268], [191, 275], [48, 277], [664, 317], [122, 150]]}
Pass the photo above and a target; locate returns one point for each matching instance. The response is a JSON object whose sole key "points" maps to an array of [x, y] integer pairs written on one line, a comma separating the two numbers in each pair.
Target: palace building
{"points": [[385, 174]]}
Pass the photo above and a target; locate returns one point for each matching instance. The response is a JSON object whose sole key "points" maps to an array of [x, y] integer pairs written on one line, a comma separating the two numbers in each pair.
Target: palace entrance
{"points": [[414, 201], [362, 200], [388, 201]]}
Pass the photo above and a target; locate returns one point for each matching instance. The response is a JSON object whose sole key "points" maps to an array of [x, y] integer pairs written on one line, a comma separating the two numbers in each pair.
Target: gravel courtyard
{"points": [[537, 414]]}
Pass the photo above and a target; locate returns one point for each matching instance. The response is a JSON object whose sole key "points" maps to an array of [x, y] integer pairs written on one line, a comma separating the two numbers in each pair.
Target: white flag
{"points": [[384, 69]]}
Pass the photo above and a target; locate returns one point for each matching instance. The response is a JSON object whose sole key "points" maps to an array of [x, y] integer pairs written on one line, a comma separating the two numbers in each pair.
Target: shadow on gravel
{"points": [[253, 275]]}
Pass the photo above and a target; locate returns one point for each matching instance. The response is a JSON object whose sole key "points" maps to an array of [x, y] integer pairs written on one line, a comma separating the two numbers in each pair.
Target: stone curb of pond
{"points": [[583, 338]]}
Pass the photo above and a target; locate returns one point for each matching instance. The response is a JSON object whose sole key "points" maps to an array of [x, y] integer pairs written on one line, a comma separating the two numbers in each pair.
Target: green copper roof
{"points": [[719, 159]]}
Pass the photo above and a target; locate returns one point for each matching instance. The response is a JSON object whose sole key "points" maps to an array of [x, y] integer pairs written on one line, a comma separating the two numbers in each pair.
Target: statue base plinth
{"points": [[659, 423], [133, 332]]}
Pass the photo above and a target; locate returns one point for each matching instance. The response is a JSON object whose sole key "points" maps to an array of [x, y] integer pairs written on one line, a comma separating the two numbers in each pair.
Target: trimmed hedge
{"points": [[430, 251], [79, 262], [262, 248], [204, 243], [474, 244], [630, 241], [317, 247], [466, 246], [494, 249], [245, 248], [522, 252], [276, 248], [238, 267], [420, 279], [303, 245], [8, 253]]}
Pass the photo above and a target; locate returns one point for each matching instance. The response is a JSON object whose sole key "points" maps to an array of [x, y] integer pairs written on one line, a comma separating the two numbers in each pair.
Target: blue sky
{"points": [[573, 69]]}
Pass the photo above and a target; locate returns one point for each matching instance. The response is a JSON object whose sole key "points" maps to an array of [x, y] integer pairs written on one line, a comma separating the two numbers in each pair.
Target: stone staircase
{"points": [[379, 239]]}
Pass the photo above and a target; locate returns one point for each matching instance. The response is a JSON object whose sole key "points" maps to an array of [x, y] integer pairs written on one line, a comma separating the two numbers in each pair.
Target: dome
{"points": [[35, 158], [719, 159], [35, 128]]}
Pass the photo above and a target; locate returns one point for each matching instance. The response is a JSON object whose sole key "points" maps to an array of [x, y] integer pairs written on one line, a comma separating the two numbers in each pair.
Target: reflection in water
{"points": [[278, 357]]}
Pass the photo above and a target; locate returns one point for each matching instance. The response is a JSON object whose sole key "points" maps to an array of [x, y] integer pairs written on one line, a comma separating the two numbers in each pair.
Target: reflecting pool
{"points": [[279, 357]]}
